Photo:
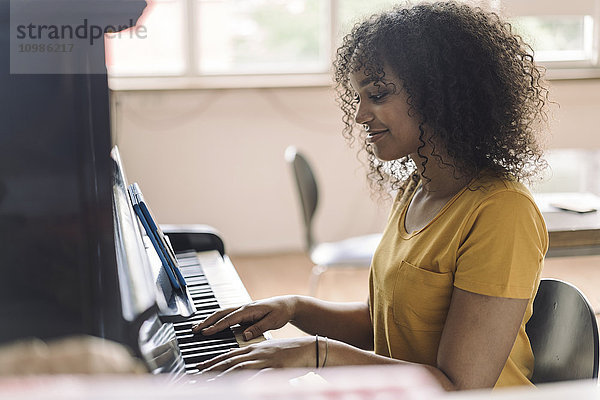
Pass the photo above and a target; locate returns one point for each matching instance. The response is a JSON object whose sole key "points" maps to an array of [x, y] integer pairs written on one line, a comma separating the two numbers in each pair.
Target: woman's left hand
{"points": [[282, 353]]}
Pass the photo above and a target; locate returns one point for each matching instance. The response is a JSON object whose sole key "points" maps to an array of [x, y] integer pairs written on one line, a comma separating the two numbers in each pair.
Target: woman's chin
{"points": [[385, 156]]}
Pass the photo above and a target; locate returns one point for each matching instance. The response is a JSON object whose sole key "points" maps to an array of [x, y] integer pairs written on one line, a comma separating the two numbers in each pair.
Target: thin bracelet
{"points": [[317, 350], [326, 351]]}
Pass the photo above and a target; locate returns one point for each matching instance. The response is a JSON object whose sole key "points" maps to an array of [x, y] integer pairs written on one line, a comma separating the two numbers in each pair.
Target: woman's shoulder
{"points": [[504, 203], [487, 186], [500, 194]]}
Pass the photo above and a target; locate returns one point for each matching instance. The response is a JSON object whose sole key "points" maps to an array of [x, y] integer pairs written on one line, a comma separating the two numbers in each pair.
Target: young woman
{"points": [[448, 102]]}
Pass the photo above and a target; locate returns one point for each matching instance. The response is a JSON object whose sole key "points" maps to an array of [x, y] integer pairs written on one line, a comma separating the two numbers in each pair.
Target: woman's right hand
{"points": [[263, 315]]}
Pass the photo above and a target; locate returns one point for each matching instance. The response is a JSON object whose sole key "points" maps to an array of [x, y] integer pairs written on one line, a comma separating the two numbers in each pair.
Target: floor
{"points": [[280, 274]]}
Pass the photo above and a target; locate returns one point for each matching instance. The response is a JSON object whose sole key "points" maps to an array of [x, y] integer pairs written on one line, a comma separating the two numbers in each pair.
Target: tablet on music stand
{"points": [[157, 237]]}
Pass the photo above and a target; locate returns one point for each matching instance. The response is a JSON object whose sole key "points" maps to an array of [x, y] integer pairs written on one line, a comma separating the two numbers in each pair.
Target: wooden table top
{"points": [[571, 233]]}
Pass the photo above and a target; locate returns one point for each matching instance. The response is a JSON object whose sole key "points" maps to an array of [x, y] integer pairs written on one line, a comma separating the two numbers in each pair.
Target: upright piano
{"points": [[160, 317], [72, 258]]}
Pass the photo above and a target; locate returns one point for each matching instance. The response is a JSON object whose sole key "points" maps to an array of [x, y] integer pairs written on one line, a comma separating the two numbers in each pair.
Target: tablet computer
{"points": [[157, 237]]}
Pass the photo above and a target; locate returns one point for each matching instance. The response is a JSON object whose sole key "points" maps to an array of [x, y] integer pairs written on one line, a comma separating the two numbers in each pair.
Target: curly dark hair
{"points": [[469, 79]]}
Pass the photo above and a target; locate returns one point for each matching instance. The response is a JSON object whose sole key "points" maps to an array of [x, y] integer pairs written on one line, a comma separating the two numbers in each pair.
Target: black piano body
{"points": [[68, 265]]}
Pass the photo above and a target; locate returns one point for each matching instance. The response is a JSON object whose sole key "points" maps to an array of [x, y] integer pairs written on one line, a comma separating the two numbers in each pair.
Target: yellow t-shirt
{"points": [[490, 239]]}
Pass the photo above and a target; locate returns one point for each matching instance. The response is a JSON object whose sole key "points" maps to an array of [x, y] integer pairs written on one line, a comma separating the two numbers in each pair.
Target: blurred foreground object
{"points": [[72, 355], [341, 383]]}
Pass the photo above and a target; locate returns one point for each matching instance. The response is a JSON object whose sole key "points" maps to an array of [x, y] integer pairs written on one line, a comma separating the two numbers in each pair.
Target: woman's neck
{"points": [[438, 180]]}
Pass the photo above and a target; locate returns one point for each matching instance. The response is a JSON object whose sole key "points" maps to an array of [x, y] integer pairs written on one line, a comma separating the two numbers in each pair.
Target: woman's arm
{"points": [[293, 353], [348, 322], [478, 335]]}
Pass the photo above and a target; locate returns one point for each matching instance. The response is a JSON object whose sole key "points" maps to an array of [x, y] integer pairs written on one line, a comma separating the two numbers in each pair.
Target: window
{"points": [[207, 43], [234, 42], [160, 51], [558, 38], [261, 37], [564, 34]]}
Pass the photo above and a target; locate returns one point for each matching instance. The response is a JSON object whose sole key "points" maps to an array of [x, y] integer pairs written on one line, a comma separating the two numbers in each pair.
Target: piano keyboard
{"points": [[212, 283]]}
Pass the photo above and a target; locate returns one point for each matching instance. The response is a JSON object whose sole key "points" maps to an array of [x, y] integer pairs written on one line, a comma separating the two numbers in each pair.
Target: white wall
{"points": [[216, 157], [577, 116]]}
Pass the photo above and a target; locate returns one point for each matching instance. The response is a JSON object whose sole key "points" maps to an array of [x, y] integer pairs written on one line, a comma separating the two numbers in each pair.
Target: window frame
{"points": [[560, 70], [192, 79]]}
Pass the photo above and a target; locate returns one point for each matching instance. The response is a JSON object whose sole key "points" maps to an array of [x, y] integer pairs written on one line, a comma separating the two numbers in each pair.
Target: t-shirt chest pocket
{"points": [[421, 298]]}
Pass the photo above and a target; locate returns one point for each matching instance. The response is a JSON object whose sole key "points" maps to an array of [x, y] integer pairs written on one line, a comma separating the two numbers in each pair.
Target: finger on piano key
{"points": [[213, 318], [238, 332], [216, 290], [206, 365], [245, 315]]}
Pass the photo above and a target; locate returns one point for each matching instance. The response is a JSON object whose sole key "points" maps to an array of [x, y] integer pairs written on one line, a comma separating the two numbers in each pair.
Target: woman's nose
{"points": [[363, 115]]}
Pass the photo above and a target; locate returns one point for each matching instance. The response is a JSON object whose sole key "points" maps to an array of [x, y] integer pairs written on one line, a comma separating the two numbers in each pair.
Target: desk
{"points": [[570, 233]]}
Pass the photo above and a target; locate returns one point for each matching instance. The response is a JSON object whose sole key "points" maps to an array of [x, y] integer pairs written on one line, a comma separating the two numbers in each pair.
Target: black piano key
{"points": [[186, 329], [206, 307], [196, 348], [202, 297], [193, 359], [201, 293], [206, 300], [200, 315], [206, 303], [197, 285], [190, 342], [206, 348], [194, 319], [192, 287]]}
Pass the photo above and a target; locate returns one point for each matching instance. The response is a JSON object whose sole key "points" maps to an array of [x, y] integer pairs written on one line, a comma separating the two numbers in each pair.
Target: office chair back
{"points": [[563, 334], [308, 192]]}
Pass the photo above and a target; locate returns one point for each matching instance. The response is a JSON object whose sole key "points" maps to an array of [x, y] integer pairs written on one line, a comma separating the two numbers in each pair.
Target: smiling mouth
{"points": [[372, 136]]}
